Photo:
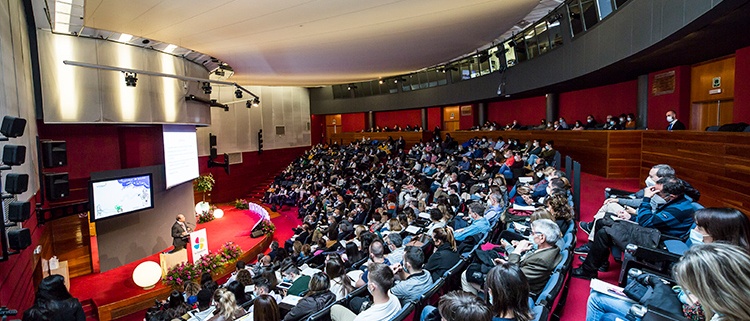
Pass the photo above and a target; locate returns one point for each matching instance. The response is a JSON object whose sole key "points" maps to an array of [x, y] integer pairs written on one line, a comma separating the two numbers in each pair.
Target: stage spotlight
{"points": [[131, 79], [238, 94], [256, 102], [206, 87]]}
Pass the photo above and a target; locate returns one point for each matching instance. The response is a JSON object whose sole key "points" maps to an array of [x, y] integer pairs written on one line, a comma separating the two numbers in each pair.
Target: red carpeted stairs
{"points": [[89, 310], [258, 190]]}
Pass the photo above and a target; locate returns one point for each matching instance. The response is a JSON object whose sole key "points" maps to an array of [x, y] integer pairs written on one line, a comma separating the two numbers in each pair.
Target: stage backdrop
{"points": [[131, 237]]}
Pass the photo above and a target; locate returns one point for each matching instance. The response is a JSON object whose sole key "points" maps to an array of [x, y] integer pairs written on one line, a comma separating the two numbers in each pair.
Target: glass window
{"points": [[494, 60], [510, 55], [605, 8], [555, 32], [531, 45], [542, 37], [392, 85], [465, 70], [576, 18], [521, 54], [619, 3], [590, 16]]}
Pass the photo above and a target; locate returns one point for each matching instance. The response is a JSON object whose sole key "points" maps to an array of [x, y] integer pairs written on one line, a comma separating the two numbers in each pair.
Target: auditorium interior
{"points": [[298, 136]]}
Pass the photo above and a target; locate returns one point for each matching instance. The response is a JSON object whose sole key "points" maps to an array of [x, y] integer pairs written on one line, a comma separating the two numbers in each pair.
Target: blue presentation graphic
{"points": [[120, 196]]}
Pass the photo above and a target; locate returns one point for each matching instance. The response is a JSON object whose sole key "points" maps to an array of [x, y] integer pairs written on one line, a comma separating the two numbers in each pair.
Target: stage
{"points": [[113, 294]]}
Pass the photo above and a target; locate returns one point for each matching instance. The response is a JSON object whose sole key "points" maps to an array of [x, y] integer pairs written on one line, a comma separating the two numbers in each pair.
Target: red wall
{"points": [[254, 171], [317, 128], [16, 279], [679, 100], [599, 101], [353, 122], [527, 111], [741, 111], [434, 118], [466, 122], [402, 118]]}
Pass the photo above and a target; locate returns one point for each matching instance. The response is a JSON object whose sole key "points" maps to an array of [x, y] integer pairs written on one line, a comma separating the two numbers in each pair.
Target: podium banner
{"points": [[198, 244]]}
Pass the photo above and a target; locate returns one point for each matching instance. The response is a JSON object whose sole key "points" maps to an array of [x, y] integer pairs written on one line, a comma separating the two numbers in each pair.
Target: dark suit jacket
{"points": [[442, 260], [177, 239], [678, 125], [538, 266]]}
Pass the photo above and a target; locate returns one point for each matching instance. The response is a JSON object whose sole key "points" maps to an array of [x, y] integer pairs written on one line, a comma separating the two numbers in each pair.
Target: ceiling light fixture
{"points": [[238, 94], [256, 102], [125, 37]]}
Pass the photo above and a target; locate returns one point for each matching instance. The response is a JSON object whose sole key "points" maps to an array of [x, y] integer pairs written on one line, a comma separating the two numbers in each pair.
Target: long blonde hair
{"points": [[226, 304], [718, 274]]}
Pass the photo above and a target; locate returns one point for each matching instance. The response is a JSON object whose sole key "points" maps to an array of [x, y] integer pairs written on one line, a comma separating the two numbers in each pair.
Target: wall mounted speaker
{"points": [[16, 183], [57, 185], [54, 154], [19, 211], [12, 126], [14, 155], [19, 239]]}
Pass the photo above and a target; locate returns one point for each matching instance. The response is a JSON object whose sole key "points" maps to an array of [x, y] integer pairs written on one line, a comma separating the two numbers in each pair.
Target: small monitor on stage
{"points": [[122, 195]]}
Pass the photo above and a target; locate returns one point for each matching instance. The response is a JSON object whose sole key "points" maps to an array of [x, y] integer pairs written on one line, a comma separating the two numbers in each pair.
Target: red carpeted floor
{"points": [[592, 197], [225, 230]]}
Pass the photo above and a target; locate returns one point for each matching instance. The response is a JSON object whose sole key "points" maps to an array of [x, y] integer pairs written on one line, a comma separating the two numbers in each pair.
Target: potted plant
{"points": [[204, 184]]}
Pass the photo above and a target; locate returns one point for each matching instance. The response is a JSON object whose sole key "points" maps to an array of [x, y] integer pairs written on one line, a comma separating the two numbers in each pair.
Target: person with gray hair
{"points": [[537, 257], [493, 212], [395, 243]]}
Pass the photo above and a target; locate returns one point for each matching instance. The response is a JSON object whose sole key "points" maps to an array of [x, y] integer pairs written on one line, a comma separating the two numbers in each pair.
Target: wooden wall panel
{"points": [[71, 242], [717, 164], [410, 138], [702, 78]]}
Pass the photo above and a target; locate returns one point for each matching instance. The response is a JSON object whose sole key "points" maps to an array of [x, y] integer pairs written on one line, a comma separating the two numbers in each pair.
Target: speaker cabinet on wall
{"points": [[14, 155], [19, 239], [19, 211], [16, 183], [56, 185], [54, 154]]}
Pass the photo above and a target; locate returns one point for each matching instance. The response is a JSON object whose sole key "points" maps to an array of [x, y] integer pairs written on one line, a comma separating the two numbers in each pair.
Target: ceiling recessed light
{"points": [[125, 37]]}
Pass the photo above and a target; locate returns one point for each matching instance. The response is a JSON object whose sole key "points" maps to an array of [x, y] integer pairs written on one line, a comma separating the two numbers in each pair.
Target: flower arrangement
{"points": [[267, 227], [206, 216], [213, 263], [241, 204]]}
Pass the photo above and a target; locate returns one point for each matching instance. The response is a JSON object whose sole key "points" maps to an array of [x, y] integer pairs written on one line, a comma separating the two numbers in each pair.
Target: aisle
{"points": [[592, 196]]}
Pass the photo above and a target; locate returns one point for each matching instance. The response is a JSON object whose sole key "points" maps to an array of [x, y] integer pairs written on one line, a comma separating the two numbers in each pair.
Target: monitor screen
{"points": [[180, 154], [122, 195]]}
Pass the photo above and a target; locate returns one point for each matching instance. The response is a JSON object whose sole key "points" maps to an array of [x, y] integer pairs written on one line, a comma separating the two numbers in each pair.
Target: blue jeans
{"points": [[600, 304], [531, 160]]}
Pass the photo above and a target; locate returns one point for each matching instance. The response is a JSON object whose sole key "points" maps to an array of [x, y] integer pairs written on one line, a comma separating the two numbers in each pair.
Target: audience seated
{"points": [[413, 279], [458, 306], [299, 282], [479, 224], [508, 293], [265, 309], [226, 306], [445, 256], [384, 306], [341, 284], [53, 302], [318, 297], [674, 218], [205, 309], [725, 225]]}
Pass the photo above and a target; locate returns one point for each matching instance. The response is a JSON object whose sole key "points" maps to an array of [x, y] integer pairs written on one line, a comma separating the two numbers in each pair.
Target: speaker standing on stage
{"points": [[180, 232]]}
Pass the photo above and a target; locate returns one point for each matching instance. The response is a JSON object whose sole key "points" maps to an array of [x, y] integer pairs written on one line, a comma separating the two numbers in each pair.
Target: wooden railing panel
{"points": [[410, 138], [717, 164]]}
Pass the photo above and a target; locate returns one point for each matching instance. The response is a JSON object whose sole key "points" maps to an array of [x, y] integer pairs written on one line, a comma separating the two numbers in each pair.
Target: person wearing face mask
{"points": [[413, 279], [479, 224], [548, 154], [630, 121], [534, 151], [673, 122], [299, 282], [674, 218], [538, 255], [563, 124], [590, 122]]}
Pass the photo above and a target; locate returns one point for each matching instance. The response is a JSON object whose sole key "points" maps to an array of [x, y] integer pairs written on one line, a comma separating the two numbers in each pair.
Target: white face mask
{"points": [[696, 237], [650, 182], [539, 174], [630, 119], [490, 296], [670, 119], [657, 201]]}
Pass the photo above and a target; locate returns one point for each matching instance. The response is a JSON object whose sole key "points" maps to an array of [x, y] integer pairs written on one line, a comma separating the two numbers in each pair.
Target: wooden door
{"points": [[706, 114], [451, 118]]}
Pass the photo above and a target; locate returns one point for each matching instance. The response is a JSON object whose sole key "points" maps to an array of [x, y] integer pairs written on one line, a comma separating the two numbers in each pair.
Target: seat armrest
{"points": [[653, 255]]}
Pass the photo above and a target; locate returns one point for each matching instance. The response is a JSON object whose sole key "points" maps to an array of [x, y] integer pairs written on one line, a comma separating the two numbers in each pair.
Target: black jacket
{"points": [[440, 261], [309, 305]]}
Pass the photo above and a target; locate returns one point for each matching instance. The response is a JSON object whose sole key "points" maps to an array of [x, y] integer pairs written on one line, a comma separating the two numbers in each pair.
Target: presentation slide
{"points": [[180, 154], [121, 195]]}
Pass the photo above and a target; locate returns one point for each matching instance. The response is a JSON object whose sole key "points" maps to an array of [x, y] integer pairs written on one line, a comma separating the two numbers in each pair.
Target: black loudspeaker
{"points": [[19, 239], [19, 211], [16, 183], [54, 154], [14, 155], [12, 126], [57, 185]]}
